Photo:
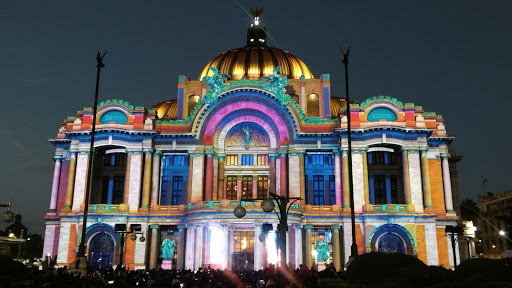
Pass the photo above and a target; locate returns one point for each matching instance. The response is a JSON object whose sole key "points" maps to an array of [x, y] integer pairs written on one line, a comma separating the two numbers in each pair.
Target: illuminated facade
{"points": [[180, 167]]}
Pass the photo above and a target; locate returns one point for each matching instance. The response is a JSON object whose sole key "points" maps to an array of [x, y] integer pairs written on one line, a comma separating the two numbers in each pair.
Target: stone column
{"points": [[190, 245], [283, 171], [255, 185], [415, 182], [71, 180], [220, 184], [153, 254], [365, 177], [336, 249], [197, 177], [309, 255], [80, 179], [55, 183], [225, 252], [146, 190], [302, 179], [272, 172], [135, 180], [294, 174], [198, 250], [425, 179], [127, 178], [407, 182], [208, 187], [180, 261], [215, 180], [337, 177], [155, 181], [346, 188], [231, 247], [287, 240], [298, 245], [447, 185], [207, 230], [257, 247]]}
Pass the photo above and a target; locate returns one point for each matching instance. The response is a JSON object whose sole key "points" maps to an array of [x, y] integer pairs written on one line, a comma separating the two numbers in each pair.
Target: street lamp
{"points": [[7, 216], [135, 229], [455, 231], [268, 205]]}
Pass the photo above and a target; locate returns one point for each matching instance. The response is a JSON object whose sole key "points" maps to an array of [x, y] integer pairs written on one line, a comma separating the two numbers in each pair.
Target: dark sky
{"points": [[451, 57]]}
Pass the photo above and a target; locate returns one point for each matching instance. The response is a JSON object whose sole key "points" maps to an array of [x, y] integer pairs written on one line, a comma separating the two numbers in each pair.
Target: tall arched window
{"points": [[313, 105], [109, 174], [385, 175], [192, 101]]}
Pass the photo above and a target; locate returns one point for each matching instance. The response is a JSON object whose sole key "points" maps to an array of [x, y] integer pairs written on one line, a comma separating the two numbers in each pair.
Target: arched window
{"points": [[109, 173], [385, 175], [313, 105], [192, 101]]}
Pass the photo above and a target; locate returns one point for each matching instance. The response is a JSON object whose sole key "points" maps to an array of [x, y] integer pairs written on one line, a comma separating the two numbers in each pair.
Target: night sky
{"points": [[451, 57]]}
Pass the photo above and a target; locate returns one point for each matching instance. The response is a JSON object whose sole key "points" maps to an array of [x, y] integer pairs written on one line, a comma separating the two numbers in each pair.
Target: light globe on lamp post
{"points": [[268, 205], [135, 229], [8, 216]]}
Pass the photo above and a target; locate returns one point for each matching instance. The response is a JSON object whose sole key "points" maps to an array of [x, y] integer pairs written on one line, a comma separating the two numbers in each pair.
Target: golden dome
{"points": [[257, 62], [166, 110]]}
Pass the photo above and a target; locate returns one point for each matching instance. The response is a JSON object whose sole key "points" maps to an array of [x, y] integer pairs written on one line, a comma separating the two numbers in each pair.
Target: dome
{"points": [[166, 110], [256, 59], [256, 62]]}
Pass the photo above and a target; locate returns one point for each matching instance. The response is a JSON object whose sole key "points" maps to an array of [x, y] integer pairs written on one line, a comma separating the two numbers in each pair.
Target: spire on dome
{"points": [[256, 35]]}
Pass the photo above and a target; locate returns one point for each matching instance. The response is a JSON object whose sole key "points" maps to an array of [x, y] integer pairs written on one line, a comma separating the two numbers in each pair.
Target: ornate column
{"points": [[197, 177], [155, 181], [336, 251], [135, 179], [294, 174], [447, 184], [215, 181], [283, 171], [180, 261], [190, 247], [298, 245], [146, 191], [425, 180], [407, 182], [257, 247], [346, 189], [208, 187], [71, 180], [415, 181], [153, 254], [337, 177], [255, 185], [302, 180], [272, 172], [55, 183], [127, 178], [224, 262], [220, 184], [198, 249], [309, 255]]}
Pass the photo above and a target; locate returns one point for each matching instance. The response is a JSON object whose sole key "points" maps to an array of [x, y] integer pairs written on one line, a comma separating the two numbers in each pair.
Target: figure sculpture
{"points": [[322, 249], [168, 247]]}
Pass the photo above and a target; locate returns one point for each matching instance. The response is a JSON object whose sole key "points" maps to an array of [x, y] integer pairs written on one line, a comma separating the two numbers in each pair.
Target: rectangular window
{"points": [[231, 187], [247, 160], [231, 160], [243, 241], [318, 190], [332, 190], [246, 187], [163, 191], [379, 188], [262, 160], [262, 187], [177, 190], [118, 190]]}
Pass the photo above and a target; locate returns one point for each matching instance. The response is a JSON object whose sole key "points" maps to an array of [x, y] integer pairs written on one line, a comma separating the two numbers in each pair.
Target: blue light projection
{"points": [[115, 116], [381, 113]]}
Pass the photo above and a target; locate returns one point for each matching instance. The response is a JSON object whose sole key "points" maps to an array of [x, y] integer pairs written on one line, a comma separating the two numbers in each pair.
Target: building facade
{"points": [[496, 211], [256, 121]]}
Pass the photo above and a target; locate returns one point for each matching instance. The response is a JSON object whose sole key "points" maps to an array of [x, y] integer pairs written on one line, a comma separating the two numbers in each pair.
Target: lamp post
{"points": [[353, 247], [8, 216], [268, 205], [453, 233], [135, 229]]}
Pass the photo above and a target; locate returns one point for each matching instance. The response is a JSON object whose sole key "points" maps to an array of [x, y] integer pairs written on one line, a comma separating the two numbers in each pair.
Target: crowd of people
{"points": [[269, 277]]}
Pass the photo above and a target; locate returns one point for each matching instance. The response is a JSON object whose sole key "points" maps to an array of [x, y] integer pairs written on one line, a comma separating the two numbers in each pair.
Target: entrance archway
{"points": [[390, 243], [101, 251], [392, 238]]}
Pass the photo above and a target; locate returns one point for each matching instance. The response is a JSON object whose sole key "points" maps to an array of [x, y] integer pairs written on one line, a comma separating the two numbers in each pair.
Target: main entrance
{"points": [[101, 251], [243, 250]]}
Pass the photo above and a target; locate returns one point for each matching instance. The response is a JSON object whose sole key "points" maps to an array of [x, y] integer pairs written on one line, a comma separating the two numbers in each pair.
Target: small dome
{"points": [[166, 110]]}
